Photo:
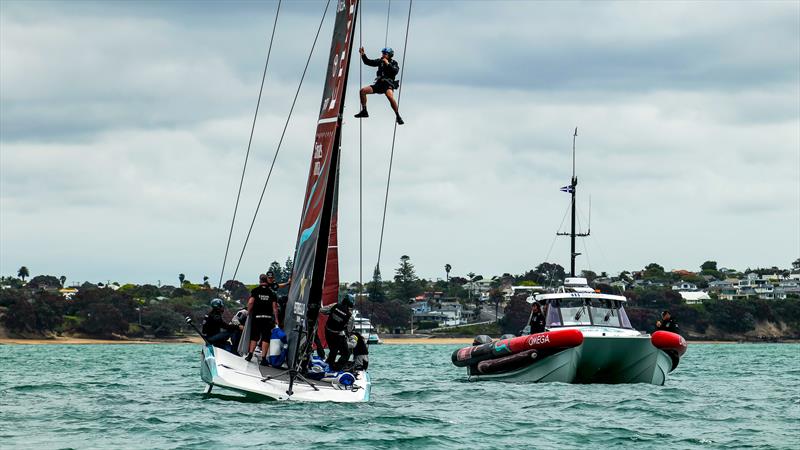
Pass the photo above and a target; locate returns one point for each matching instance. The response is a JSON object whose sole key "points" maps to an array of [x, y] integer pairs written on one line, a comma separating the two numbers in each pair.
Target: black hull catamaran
{"points": [[588, 338], [315, 275]]}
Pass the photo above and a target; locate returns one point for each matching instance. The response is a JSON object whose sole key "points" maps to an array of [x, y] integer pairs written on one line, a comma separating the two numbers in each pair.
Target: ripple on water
{"points": [[150, 396]]}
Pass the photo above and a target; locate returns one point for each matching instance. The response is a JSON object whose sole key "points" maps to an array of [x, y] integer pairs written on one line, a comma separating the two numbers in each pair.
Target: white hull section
{"points": [[223, 369]]}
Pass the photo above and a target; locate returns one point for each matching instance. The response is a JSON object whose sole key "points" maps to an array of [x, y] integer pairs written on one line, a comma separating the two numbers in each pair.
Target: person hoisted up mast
{"points": [[385, 82]]}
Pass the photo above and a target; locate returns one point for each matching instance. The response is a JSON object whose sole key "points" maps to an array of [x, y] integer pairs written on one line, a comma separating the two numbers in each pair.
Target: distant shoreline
{"points": [[198, 340]]}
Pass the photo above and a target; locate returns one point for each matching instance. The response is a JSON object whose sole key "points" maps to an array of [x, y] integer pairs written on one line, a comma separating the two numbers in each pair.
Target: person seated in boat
{"points": [[537, 319], [360, 352], [214, 328], [239, 319], [385, 82], [262, 308], [340, 322], [667, 323]]}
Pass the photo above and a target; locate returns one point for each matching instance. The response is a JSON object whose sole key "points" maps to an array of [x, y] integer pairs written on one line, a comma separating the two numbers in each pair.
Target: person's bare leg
{"points": [[250, 348], [264, 349], [395, 107], [392, 101], [364, 91]]}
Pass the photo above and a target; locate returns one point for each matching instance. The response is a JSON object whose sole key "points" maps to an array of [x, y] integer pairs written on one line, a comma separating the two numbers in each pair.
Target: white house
{"points": [[694, 297]]}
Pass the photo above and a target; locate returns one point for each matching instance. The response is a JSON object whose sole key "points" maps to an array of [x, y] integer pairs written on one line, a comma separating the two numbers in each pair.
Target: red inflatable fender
{"points": [[666, 340], [548, 339]]}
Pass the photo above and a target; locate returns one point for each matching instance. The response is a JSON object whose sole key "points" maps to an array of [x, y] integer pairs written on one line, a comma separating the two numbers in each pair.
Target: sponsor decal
{"points": [[538, 339]]}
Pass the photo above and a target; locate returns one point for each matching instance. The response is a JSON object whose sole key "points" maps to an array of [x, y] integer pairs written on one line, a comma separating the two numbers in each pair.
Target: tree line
{"points": [[132, 310]]}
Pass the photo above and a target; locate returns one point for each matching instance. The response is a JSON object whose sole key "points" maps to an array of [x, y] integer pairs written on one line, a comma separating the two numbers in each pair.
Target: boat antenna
{"points": [[571, 189]]}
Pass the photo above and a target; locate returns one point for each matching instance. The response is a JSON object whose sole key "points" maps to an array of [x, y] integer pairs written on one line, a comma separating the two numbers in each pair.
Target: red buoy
{"points": [[666, 340]]}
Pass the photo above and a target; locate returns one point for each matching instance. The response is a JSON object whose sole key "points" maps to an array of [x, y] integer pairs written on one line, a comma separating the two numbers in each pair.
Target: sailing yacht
{"points": [[588, 337], [315, 275]]}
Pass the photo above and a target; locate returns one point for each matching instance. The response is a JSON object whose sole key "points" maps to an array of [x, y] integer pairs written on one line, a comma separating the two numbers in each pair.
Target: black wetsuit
{"points": [[384, 79], [537, 323], [360, 353], [215, 329], [338, 317], [668, 325], [263, 314]]}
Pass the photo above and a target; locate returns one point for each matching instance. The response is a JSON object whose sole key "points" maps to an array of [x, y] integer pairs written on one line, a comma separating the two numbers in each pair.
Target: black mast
{"points": [[573, 190]]}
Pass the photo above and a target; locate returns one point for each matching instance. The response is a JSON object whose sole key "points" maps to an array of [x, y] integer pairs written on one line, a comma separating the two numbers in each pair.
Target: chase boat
{"points": [[588, 339]]}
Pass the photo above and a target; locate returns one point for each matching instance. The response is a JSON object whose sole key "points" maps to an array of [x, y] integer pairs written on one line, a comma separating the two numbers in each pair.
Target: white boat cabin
{"points": [[578, 305]]}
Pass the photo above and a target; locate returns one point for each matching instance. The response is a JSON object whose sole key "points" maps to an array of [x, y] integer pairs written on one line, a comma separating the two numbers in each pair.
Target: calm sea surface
{"points": [[150, 396]]}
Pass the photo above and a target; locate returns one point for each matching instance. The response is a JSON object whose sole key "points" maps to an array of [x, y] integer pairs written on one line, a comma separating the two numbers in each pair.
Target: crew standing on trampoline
{"points": [[385, 82]]}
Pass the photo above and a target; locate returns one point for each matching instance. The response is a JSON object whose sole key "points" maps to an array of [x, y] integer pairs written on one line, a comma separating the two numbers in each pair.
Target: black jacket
{"points": [[213, 323], [537, 323], [669, 325], [386, 72]]}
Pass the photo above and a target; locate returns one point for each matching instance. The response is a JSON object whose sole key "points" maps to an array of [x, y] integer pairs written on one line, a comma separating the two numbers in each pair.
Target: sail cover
{"points": [[314, 236]]}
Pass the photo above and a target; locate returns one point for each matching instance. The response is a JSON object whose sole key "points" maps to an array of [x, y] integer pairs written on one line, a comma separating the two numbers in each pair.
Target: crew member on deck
{"points": [[262, 308], [667, 323], [215, 329], [385, 82], [274, 285], [537, 319], [340, 321], [360, 352]]}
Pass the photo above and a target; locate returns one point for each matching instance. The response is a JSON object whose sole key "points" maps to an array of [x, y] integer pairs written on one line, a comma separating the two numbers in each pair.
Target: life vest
{"points": [[263, 298], [337, 319]]}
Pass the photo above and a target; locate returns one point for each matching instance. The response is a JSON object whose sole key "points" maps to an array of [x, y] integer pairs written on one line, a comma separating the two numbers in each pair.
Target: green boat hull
{"points": [[611, 360]]}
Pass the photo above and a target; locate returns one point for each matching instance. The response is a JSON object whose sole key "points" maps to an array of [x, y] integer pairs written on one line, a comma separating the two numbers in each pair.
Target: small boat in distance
{"points": [[365, 328], [587, 339]]}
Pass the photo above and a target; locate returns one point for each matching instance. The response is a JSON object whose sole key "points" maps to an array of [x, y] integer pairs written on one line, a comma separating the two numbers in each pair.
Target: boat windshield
{"points": [[574, 312], [578, 312], [604, 313]]}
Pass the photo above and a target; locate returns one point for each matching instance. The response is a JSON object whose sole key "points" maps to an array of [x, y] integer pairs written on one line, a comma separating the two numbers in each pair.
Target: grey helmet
{"points": [[217, 304]]}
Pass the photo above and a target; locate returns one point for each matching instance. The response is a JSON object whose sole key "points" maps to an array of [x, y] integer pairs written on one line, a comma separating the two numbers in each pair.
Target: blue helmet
{"points": [[217, 304], [388, 51]]}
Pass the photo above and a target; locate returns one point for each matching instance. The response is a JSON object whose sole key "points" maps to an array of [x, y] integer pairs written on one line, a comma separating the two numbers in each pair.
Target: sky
{"points": [[124, 127]]}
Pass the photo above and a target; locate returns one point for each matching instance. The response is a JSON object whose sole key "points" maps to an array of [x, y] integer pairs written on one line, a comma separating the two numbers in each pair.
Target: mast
{"points": [[317, 232], [572, 189]]}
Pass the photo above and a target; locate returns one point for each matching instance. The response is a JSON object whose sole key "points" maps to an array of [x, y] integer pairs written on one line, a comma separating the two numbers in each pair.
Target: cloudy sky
{"points": [[124, 125]]}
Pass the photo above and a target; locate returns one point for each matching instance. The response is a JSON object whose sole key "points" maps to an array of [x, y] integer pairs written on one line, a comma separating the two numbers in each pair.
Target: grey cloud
{"points": [[683, 145]]}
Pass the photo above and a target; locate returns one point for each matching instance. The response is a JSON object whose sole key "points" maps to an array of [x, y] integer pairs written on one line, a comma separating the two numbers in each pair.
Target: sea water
{"points": [[151, 396]]}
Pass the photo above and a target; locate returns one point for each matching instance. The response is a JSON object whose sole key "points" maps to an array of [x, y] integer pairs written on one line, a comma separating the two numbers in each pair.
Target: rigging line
{"points": [[564, 218], [360, 167], [386, 37], [583, 241], [361, 175], [280, 141], [394, 135], [249, 143]]}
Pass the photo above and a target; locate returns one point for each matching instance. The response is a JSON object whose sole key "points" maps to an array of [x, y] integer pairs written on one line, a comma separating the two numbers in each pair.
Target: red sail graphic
{"points": [[314, 263]]}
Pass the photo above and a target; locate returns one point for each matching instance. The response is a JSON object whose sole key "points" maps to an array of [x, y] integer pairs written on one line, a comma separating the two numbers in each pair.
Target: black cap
{"points": [[270, 274], [666, 311]]}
